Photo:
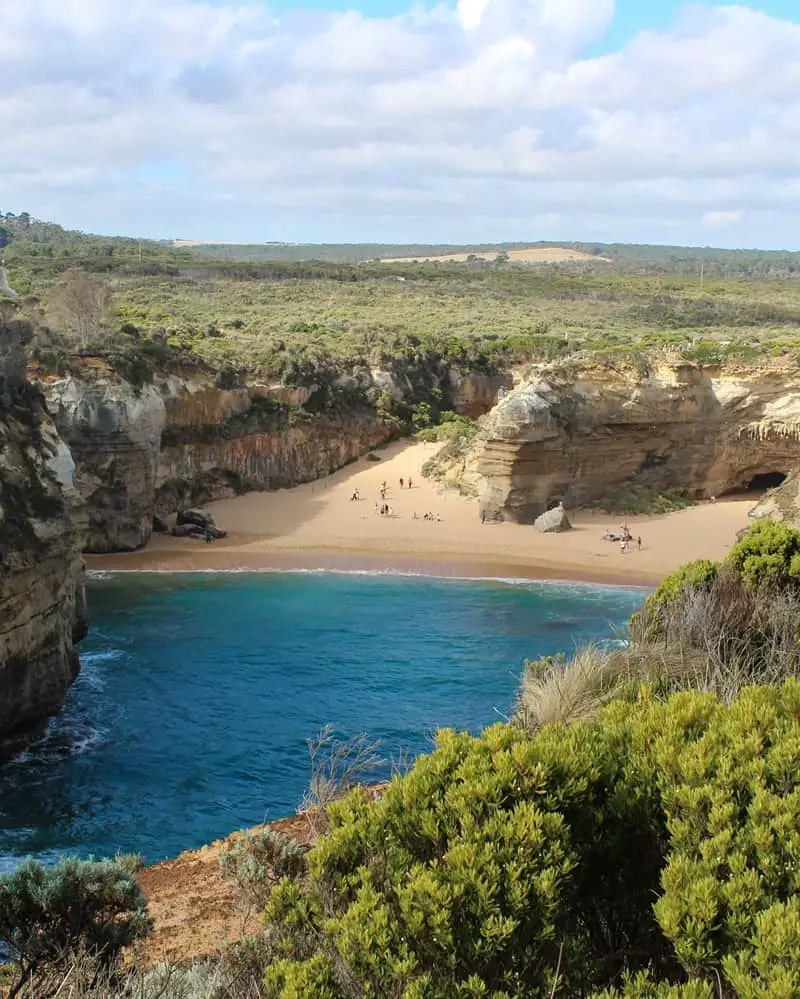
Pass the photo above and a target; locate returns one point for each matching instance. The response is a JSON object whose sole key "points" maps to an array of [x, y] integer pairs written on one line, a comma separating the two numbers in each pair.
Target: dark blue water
{"points": [[198, 692]]}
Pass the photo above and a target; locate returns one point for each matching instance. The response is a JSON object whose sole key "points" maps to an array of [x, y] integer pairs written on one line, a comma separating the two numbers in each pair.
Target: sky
{"points": [[459, 121]]}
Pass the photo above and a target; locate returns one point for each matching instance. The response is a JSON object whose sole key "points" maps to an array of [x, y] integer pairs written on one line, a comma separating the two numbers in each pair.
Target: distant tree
{"points": [[501, 258], [80, 303]]}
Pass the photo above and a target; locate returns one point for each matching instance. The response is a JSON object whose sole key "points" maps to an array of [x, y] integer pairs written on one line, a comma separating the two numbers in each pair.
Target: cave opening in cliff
{"points": [[765, 480]]}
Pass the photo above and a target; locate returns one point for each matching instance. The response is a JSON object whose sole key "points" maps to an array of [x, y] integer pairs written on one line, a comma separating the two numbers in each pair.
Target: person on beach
{"points": [[401, 482], [409, 483], [623, 545], [209, 537], [483, 516], [639, 543]]}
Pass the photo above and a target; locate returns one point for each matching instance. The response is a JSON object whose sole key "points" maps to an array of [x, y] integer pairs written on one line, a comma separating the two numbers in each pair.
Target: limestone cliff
{"points": [[573, 432], [781, 503], [42, 527], [180, 438]]}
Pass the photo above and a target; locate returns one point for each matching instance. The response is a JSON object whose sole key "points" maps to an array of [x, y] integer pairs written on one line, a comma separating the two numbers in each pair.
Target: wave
{"points": [[576, 584]]}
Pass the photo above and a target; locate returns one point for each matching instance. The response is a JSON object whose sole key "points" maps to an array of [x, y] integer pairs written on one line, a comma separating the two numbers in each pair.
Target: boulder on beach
{"points": [[197, 517], [196, 531], [553, 521], [160, 526]]}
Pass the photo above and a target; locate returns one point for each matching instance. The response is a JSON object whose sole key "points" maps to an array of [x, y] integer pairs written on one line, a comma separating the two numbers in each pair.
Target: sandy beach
{"points": [[319, 526]]}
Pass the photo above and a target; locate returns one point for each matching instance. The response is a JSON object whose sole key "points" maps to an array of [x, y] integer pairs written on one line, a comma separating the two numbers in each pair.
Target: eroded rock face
{"points": [[572, 435], [220, 442], [42, 532], [182, 440], [113, 430], [782, 503]]}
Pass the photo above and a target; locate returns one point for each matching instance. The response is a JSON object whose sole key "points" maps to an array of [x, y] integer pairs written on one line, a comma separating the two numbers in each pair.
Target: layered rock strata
{"points": [[573, 434], [42, 534], [181, 440]]}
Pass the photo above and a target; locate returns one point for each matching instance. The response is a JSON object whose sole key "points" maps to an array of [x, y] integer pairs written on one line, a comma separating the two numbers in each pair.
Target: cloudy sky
{"points": [[389, 120]]}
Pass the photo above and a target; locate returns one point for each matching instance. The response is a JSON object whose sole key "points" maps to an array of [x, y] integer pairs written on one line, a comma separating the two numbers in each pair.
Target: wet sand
{"points": [[318, 526]]}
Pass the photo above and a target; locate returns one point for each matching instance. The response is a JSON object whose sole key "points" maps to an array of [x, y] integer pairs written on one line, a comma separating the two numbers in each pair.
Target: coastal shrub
{"points": [[767, 554], [653, 853], [632, 498], [92, 906], [499, 866], [741, 616], [255, 861]]}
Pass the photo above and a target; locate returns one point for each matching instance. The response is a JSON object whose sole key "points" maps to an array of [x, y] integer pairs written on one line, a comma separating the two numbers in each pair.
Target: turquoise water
{"points": [[198, 691]]}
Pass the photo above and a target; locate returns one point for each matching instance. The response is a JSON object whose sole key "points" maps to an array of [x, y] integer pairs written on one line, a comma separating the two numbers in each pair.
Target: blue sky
{"points": [[473, 121]]}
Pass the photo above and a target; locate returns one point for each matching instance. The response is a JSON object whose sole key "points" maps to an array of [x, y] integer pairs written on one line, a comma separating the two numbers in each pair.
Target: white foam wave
{"points": [[579, 585]]}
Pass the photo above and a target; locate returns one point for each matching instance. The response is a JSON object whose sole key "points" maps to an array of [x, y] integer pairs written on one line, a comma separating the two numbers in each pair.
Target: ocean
{"points": [[198, 693]]}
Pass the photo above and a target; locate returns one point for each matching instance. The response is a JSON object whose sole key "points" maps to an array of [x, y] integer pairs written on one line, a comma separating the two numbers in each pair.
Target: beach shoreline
{"points": [[319, 526]]}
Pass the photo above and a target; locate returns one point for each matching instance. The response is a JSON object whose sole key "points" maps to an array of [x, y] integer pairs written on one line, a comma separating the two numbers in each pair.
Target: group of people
{"points": [[428, 516], [626, 539]]}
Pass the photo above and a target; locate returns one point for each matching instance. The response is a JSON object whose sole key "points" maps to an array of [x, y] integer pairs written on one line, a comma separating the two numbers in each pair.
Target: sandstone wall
{"points": [[42, 533], [573, 435], [182, 440]]}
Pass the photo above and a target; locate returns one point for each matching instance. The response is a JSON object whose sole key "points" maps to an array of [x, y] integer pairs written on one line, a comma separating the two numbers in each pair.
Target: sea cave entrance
{"points": [[765, 480]]}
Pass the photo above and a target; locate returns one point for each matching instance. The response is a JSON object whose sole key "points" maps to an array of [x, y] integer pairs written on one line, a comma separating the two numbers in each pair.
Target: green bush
{"points": [[256, 860], [504, 866], [48, 913], [631, 499], [768, 554], [499, 866]]}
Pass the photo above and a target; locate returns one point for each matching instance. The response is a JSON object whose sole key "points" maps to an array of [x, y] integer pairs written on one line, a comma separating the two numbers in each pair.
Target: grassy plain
{"points": [[288, 310]]}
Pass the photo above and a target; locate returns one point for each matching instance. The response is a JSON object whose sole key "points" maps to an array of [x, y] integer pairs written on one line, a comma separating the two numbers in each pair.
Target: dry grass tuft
{"points": [[554, 690]]}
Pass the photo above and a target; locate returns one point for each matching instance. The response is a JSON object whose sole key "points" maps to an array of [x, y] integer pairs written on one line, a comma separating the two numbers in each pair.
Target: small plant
{"points": [[90, 906], [337, 765], [257, 860], [373, 457]]}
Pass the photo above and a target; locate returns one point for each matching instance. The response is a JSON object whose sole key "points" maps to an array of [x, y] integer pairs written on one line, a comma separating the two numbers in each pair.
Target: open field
{"points": [[531, 255], [273, 310]]}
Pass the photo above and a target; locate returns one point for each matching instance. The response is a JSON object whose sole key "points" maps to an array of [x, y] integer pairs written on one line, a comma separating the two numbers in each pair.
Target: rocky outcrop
{"points": [[572, 433], [220, 442], [42, 531], [553, 521], [781, 503], [113, 430], [182, 438]]}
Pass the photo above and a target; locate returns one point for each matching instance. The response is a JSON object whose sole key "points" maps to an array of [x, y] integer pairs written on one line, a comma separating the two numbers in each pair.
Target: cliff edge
{"points": [[42, 531], [574, 432]]}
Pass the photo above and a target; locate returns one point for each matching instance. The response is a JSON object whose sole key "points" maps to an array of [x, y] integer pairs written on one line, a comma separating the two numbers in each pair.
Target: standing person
{"points": [[409, 482], [483, 516], [639, 543], [401, 481]]}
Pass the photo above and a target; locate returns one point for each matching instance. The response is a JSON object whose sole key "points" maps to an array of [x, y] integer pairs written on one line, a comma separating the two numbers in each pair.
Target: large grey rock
{"points": [[200, 518], [553, 522]]}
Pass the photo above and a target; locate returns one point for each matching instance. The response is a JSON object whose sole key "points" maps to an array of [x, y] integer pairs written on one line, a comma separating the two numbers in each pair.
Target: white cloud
{"points": [[484, 119], [722, 218]]}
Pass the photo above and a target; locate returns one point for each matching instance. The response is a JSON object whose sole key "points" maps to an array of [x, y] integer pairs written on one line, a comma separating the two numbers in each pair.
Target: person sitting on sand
{"points": [[623, 545]]}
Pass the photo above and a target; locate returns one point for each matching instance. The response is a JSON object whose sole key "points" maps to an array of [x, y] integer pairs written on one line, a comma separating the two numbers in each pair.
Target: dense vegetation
{"points": [[303, 319]]}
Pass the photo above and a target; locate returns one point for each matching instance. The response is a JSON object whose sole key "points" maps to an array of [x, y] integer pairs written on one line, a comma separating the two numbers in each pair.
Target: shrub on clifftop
{"points": [[653, 853], [48, 914]]}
